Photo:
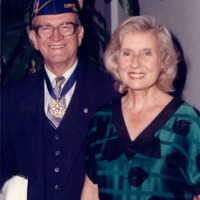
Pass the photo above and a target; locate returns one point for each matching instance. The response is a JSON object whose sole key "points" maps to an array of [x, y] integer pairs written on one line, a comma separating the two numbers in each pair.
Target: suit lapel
{"points": [[33, 110], [78, 114]]}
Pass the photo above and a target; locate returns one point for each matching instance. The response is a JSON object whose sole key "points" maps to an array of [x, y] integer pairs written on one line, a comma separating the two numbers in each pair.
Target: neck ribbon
{"points": [[68, 85]]}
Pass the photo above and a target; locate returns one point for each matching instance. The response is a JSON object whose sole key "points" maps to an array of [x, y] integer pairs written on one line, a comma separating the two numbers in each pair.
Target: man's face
{"points": [[58, 51]]}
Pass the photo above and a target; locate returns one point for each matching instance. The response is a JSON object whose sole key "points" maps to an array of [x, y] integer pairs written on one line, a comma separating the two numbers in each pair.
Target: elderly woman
{"points": [[146, 145]]}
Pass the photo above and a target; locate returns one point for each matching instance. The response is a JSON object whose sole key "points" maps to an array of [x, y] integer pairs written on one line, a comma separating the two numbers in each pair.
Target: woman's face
{"points": [[139, 64]]}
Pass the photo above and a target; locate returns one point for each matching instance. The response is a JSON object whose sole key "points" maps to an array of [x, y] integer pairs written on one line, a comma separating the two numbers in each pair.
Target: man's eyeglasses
{"points": [[65, 29]]}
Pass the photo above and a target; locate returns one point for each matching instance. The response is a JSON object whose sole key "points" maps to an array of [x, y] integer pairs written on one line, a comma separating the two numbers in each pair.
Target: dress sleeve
{"points": [[91, 150], [193, 168]]}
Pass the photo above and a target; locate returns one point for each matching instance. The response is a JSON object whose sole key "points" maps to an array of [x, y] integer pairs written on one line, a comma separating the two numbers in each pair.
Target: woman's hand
{"points": [[90, 190], [196, 197]]}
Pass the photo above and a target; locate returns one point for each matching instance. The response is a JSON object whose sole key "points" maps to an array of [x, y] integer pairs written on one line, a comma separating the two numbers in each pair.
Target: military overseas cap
{"points": [[52, 7]]}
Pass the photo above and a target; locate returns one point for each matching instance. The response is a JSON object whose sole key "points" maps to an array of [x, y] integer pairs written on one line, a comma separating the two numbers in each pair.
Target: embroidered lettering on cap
{"points": [[71, 5], [35, 6], [53, 7]]}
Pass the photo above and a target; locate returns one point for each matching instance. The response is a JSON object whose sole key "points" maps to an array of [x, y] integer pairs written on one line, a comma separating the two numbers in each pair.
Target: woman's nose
{"points": [[135, 61]]}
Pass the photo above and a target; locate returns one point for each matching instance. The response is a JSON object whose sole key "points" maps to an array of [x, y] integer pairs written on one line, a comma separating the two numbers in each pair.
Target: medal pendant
{"points": [[57, 109]]}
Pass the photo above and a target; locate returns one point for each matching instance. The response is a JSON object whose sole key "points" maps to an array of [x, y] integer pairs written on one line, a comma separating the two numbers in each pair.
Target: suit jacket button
{"points": [[57, 137], [57, 187], [56, 169], [57, 153]]}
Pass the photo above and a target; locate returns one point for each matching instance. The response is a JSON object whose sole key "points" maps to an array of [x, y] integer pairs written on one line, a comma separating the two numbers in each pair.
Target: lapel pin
{"points": [[85, 110]]}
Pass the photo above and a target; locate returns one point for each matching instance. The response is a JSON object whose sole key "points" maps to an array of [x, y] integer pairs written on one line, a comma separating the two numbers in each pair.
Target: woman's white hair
{"points": [[169, 55]]}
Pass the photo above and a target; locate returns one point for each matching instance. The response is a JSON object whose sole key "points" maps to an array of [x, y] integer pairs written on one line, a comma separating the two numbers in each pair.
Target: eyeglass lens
{"points": [[65, 29]]}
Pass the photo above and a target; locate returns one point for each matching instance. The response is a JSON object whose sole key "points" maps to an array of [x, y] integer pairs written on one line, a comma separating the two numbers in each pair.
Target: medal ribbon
{"points": [[68, 85]]}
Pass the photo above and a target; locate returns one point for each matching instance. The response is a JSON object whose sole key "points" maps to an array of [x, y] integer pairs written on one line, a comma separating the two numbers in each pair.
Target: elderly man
{"points": [[45, 116]]}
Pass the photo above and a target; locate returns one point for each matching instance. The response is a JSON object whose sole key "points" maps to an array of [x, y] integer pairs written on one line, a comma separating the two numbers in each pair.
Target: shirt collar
{"points": [[67, 74]]}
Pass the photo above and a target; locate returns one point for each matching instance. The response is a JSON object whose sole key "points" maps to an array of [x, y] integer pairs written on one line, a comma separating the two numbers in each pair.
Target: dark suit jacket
{"points": [[21, 137]]}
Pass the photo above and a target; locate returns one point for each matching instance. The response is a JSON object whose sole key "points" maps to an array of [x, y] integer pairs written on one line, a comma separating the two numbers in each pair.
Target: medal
{"points": [[57, 109]]}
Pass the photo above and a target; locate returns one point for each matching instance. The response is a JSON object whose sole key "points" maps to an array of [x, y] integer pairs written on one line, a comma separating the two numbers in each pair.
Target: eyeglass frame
{"points": [[36, 28]]}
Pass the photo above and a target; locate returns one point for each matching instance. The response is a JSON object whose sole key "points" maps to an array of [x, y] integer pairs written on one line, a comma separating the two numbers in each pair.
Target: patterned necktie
{"points": [[56, 107]]}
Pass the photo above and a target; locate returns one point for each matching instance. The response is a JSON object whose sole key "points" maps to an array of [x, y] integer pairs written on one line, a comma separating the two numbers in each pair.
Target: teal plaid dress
{"points": [[162, 163]]}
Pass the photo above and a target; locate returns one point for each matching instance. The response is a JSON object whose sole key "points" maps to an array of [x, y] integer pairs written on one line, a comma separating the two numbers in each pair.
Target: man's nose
{"points": [[56, 34]]}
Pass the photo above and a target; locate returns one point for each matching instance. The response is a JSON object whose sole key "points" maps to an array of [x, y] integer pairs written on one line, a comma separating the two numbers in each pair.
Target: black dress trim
{"points": [[152, 128]]}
